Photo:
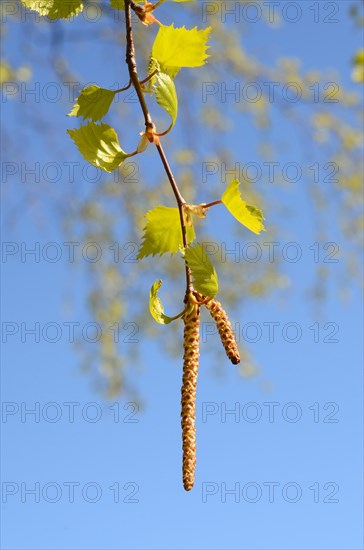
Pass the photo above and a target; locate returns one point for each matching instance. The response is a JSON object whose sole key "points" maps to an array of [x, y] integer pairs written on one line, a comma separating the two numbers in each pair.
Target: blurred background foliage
{"points": [[112, 209]]}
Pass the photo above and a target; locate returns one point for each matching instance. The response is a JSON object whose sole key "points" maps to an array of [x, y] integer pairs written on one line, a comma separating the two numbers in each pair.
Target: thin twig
{"points": [[131, 62], [180, 202], [150, 127]]}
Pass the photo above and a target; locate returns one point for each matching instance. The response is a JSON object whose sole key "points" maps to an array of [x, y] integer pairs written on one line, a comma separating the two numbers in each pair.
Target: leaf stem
{"points": [[159, 3], [150, 127], [211, 204], [166, 131], [124, 89], [179, 315], [140, 82], [148, 77]]}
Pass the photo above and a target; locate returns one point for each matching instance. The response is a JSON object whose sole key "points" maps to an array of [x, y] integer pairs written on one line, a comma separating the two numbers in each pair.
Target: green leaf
{"points": [[99, 145], [55, 9], [248, 215], [166, 95], [204, 276], [156, 307], [94, 102], [163, 232], [179, 47]]}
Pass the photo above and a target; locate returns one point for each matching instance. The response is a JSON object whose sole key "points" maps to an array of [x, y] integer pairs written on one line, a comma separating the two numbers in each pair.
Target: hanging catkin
{"points": [[188, 398], [224, 327]]}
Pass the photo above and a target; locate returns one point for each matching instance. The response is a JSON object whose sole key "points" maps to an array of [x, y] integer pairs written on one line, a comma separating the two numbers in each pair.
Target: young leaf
{"points": [[99, 145], [156, 307], [179, 47], [248, 215], [55, 9], [205, 278], [163, 232], [94, 102], [166, 95]]}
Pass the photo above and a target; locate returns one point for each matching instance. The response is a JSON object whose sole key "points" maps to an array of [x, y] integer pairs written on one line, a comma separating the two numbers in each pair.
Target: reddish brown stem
{"points": [[212, 204], [150, 127]]}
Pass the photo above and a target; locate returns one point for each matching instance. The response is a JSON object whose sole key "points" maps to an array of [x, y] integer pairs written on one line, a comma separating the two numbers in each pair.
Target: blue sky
{"points": [[107, 474]]}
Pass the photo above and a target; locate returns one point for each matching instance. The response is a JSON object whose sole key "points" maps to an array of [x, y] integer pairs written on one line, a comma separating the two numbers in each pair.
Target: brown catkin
{"points": [[225, 329], [188, 395]]}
